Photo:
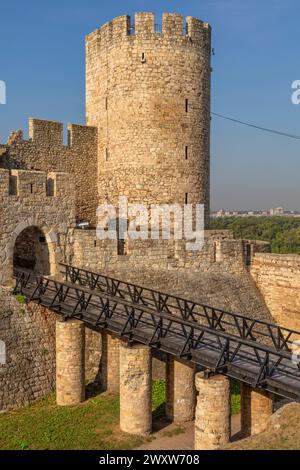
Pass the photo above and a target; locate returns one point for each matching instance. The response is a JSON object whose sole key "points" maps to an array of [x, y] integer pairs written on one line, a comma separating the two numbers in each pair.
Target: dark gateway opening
{"points": [[31, 251]]}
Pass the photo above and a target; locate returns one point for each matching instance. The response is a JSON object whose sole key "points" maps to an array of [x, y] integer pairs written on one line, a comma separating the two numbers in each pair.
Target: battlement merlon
{"points": [[39, 184], [80, 136], [50, 133], [145, 25], [3, 150]]}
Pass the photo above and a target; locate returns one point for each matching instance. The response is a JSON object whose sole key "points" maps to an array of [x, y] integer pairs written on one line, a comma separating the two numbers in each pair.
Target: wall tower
{"points": [[148, 93]]}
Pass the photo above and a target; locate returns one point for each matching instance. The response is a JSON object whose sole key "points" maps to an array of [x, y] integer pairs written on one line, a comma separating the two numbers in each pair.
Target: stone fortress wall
{"points": [[278, 279], [28, 332], [39, 207], [37, 199], [220, 253], [45, 151], [148, 94], [29, 337]]}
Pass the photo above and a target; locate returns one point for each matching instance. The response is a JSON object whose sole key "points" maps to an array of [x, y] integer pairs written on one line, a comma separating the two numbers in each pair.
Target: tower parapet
{"points": [[144, 25]]}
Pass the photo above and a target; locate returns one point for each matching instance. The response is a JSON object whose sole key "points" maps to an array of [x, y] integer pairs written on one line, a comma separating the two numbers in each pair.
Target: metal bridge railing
{"points": [[210, 348], [282, 339]]}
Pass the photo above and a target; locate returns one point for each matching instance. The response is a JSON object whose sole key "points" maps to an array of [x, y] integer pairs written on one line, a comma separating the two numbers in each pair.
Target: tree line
{"points": [[282, 232]]}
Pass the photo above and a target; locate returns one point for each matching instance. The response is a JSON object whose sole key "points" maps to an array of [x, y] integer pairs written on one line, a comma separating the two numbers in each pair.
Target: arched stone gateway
{"points": [[32, 247], [35, 224], [32, 251]]}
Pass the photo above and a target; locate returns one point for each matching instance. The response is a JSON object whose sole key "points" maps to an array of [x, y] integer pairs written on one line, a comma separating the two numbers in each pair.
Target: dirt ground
{"points": [[171, 437], [283, 433]]}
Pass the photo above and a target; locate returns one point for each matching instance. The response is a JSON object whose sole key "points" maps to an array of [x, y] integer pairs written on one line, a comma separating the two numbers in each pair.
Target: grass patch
{"points": [[158, 393], [93, 424], [20, 298], [158, 397], [235, 397]]}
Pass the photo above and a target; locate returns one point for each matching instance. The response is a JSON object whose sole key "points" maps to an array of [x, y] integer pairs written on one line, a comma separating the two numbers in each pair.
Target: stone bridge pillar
{"points": [[256, 408], [135, 389], [180, 390], [70, 352], [110, 363], [212, 424]]}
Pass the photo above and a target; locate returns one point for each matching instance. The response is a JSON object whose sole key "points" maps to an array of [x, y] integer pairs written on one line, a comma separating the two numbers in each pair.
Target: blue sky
{"points": [[256, 60]]}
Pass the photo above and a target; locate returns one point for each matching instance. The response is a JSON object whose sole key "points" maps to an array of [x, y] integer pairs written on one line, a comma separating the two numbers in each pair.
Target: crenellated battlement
{"points": [[50, 133], [146, 24], [36, 184], [45, 151]]}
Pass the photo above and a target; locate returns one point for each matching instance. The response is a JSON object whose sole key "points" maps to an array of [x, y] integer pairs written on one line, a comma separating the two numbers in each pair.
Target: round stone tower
{"points": [[148, 93]]}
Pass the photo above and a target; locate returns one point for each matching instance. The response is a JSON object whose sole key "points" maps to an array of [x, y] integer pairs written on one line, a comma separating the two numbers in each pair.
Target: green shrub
{"points": [[235, 396], [282, 232], [20, 298], [158, 397], [24, 445]]}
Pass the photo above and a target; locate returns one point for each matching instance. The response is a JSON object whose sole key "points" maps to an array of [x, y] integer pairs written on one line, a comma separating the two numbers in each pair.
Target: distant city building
{"points": [[274, 211], [220, 213], [277, 211]]}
